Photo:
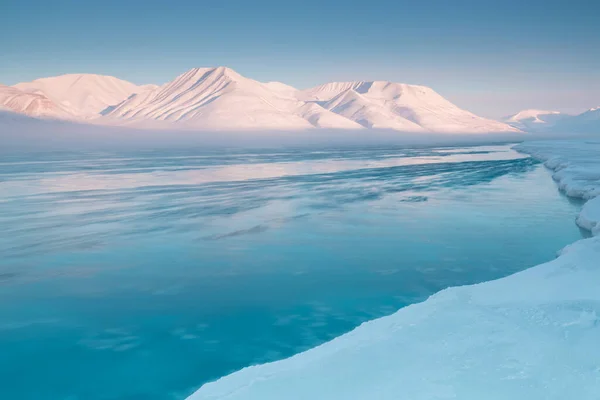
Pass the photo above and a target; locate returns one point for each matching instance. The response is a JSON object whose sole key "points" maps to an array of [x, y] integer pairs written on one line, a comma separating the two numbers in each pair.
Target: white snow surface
{"points": [[576, 166], [282, 88], [85, 95], [532, 335]]}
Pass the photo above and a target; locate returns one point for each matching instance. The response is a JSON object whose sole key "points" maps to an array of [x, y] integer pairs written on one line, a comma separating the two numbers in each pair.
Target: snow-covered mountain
{"points": [[86, 95], [556, 122], [399, 106], [221, 99], [586, 122], [368, 113], [282, 88], [534, 120], [34, 104]]}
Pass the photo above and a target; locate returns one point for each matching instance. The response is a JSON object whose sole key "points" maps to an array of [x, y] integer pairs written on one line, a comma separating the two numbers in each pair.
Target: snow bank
{"points": [[532, 335], [590, 216], [576, 166]]}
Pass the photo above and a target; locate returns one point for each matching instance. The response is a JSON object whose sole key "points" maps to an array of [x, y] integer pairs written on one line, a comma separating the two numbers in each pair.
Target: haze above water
{"points": [[143, 274]]}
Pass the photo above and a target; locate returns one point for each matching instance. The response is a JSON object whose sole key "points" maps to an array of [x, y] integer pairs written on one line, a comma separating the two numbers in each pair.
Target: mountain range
{"points": [[221, 99]]}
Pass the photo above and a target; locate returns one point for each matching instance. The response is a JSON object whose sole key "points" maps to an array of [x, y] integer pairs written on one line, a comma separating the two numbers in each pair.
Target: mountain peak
{"points": [[31, 103], [212, 72], [534, 120], [86, 95], [531, 114], [379, 89], [345, 97]]}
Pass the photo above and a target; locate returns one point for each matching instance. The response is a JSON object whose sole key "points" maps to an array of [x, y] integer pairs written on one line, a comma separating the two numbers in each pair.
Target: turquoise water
{"points": [[143, 275]]}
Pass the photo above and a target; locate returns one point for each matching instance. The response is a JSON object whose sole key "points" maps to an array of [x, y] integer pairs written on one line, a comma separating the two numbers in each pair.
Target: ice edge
{"points": [[529, 335]]}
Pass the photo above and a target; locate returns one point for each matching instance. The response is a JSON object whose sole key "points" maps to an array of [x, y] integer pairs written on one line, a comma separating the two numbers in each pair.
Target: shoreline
{"points": [[589, 216], [529, 335]]}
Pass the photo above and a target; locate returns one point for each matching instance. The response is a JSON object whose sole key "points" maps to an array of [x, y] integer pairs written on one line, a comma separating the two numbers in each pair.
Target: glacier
{"points": [[531, 335]]}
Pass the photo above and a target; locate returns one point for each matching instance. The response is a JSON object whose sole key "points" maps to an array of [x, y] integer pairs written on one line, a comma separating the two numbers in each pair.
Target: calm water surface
{"points": [[144, 275]]}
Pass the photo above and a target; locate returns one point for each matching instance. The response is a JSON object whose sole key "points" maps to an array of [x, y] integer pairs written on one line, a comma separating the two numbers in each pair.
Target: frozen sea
{"points": [[143, 275]]}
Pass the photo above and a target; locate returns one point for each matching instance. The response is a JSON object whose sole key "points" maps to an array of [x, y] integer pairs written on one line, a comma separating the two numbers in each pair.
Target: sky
{"points": [[491, 57]]}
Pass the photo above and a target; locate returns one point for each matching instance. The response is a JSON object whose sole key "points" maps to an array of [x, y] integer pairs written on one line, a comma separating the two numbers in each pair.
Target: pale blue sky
{"points": [[491, 57]]}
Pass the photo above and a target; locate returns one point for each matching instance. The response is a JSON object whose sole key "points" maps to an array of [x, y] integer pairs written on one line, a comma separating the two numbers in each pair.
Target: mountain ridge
{"points": [[418, 104], [542, 121], [85, 94], [34, 104], [219, 98], [534, 119]]}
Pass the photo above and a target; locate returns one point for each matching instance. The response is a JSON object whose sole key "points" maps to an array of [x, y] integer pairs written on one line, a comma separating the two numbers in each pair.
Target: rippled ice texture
{"points": [[144, 275]]}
